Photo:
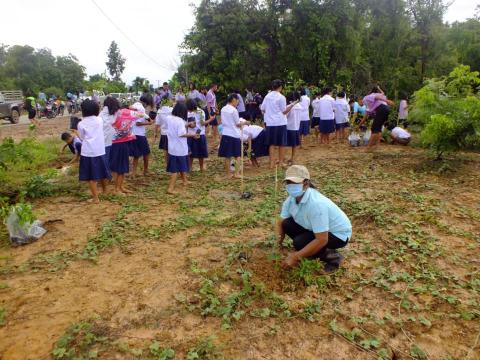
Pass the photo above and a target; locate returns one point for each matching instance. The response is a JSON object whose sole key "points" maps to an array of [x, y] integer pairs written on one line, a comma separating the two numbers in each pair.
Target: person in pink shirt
{"points": [[378, 107]]}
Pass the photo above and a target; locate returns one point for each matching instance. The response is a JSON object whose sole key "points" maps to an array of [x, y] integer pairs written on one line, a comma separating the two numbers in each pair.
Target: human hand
{"points": [[290, 261]]}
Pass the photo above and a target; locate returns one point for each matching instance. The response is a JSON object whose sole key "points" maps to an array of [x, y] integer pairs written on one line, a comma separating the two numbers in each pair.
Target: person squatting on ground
{"points": [[317, 226]]}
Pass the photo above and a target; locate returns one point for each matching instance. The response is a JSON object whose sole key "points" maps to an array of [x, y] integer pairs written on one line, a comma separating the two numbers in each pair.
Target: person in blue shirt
{"points": [[316, 225]]}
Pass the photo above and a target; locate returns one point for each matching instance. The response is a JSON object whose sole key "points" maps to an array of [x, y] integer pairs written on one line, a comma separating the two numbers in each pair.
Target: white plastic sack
{"points": [[23, 234], [366, 137], [354, 139]]}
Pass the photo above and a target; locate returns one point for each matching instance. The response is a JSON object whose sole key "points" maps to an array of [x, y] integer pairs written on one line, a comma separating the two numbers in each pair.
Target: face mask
{"points": [[295, 190]]}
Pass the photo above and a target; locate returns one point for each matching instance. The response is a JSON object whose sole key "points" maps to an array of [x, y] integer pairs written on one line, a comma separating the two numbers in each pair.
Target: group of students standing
{"points": [[106, 140]]}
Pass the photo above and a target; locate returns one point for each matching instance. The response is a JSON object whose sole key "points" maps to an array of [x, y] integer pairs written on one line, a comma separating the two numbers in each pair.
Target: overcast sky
{"points": [[156, 26]]}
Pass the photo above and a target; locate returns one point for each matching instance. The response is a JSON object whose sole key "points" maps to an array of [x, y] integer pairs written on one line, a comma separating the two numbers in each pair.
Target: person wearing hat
{"points": [[315, 223]]}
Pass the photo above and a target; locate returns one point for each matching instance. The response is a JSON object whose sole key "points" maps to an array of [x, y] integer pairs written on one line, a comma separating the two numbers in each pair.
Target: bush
{"points": [[449, 111]]}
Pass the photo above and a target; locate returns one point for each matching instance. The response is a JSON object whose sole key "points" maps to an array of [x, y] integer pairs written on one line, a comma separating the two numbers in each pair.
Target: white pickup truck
{"points": [[11, 105]]}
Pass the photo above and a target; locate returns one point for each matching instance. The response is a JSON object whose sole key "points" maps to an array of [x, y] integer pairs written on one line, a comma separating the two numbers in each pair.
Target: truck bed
{"points": [[12, 95]]}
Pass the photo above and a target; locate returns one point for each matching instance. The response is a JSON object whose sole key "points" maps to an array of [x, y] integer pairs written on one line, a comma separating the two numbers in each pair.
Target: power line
{"points": [[128, 38]]}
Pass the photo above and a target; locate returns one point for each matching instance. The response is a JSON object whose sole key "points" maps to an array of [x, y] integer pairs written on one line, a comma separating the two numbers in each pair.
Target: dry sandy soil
{"points": [[199, 273]]}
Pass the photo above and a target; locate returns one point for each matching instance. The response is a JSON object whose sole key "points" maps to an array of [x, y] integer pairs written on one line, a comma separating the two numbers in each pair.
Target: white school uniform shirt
{"points": [[194, 94], [241, 104], [342, 110], [274, 105], [199, 116], [294, 117], [251, 132], [305, 103], [316, 107], [177, 145], [108, 130], [90, 131], [403, 110], [230, 120], [161, 118], [139, 130], [400, 133], [327, 108]]}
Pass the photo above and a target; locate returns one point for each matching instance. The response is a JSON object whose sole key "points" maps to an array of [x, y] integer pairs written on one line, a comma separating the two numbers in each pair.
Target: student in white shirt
{"points": [[110, 108], [304, 115], [161, 126], [139, 147], [293, 124], [275, 109], [230, 144], [93, 166], [327, 116], [257, 146], [178, 146], [342, 113], [403, 110], [316, 115], [198, 148], [400, 136]]}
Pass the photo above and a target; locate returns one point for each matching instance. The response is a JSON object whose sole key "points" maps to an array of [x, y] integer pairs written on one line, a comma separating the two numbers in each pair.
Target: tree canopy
{"points": [[347, 43], [116, 62]]}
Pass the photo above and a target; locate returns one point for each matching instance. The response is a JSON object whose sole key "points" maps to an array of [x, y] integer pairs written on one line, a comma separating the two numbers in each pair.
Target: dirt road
{"points": [[46, 129]]}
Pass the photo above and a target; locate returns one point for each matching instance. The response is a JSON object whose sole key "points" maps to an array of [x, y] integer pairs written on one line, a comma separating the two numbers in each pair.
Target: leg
{"points": [[165, 153], [145, 164], [227, 168], [281, 154], [103, 182], [270, 155], [93, 189], [300, 236], [237, 168], [135, 165], [171, 184], [190, 161], [215, 132], [292, 160], [201, 162], [183, 176]]}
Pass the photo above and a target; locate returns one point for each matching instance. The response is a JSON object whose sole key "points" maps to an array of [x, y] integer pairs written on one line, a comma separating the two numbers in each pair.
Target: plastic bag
{"points": [[22, 234], [366, 137], [354, 139]]}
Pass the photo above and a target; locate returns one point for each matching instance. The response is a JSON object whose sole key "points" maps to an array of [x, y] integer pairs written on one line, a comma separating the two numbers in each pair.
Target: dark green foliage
{"points": [[242, 42]]}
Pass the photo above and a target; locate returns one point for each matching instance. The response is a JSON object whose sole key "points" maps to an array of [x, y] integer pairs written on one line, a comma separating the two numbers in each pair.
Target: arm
{"points": [[156, 131], [321, 240], [289, 107], [75, 159], [365, 117], [206, 122]]}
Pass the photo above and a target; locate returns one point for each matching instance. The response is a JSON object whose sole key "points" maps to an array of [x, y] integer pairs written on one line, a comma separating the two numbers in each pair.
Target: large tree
{"points": [[116, 62]]}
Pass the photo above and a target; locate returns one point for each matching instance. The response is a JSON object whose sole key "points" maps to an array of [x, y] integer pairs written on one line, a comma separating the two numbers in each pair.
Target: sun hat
{"points": [[297, 174]]}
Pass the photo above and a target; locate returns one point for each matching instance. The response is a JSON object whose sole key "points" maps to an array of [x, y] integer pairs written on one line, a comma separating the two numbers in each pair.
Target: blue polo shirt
{"points": [[318, 213]]}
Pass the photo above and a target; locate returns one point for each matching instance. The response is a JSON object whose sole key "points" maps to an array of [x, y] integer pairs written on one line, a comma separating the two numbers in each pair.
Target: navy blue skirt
{"points": [[277, 135], [293, 138], [229, 147], [260, 146], [327, 126], [139, 147], [107, 155], [119, 157], [315, 122], [93, 168], [343, 125], [163, 142], [304, 128], [198, 148], [177, 164]]}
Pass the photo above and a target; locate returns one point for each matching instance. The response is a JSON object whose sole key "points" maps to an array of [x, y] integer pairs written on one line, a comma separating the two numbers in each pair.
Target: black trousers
{"points": [[302, 237]]}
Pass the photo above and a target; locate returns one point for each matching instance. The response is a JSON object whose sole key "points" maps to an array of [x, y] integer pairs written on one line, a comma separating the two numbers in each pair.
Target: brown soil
{"points": [[134, 292]]}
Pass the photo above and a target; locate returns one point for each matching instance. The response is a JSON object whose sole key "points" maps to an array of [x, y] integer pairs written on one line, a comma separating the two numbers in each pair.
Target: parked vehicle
{"points": [[49, 111], [11, 105]]}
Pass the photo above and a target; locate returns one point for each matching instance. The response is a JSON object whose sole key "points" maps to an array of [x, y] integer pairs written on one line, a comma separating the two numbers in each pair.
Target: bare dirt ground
{"points": [[198, 275], [48, 128]]}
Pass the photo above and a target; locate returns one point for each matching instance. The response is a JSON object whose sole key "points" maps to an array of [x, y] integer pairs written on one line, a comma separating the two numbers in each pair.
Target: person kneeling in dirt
{"points": [[400, 136], [316, 225]]}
